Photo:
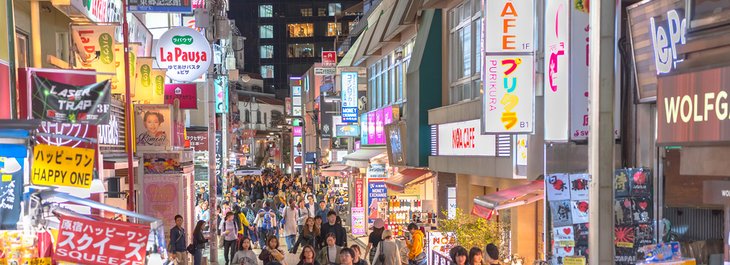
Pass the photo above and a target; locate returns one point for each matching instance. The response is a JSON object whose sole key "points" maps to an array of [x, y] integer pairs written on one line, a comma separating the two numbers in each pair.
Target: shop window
{"points": [[301, 50], [266, 11], [301, 30], [267, 51], [266, 31], [306, 12], [334, 9], [322, 12], [334, 29], [267, 71]]}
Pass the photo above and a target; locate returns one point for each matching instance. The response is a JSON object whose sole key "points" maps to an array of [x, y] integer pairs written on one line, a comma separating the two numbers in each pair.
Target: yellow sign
{"points": [[625, 244], [62, 166], [574, 261]]}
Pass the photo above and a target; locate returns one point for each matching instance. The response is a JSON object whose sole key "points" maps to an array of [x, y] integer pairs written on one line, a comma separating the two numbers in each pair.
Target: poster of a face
{"points": [[297, 151], [153, 127]]}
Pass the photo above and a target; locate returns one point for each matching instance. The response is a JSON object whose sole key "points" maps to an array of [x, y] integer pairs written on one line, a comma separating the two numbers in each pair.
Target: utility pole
{"points": [[213, 9], [601, 140], [132, 196]]}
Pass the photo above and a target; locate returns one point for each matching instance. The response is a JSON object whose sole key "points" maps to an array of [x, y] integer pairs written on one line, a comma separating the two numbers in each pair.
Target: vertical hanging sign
{"points": [[508, 70], [578, 77], [557, 47], [349, 96]]}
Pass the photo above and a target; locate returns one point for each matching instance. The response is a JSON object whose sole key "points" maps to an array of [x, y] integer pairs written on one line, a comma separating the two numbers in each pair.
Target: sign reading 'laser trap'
{"points": [[62, 166]]}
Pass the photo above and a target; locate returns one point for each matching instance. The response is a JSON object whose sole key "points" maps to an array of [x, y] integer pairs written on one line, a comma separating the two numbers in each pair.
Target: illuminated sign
{"points": [[349, 96], [221, 94], [185, 53], [509, 94], [665, 39], [510, 26], [464, 139]]}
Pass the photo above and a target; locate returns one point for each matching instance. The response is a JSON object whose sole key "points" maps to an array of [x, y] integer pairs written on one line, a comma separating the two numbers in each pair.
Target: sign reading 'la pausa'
{"points": [[184, 52]]}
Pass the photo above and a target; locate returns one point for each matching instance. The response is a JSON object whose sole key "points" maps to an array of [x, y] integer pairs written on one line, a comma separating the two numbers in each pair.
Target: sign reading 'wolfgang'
{"points": [[184, 52], [694, 107]]}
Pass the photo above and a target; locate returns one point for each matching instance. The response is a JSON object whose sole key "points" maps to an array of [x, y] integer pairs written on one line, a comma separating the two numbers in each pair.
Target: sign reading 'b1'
{"points": [[185, 53]]}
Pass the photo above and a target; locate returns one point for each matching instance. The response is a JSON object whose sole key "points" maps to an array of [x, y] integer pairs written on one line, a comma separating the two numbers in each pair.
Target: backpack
{"points": [[267, 223], [250, 216]]}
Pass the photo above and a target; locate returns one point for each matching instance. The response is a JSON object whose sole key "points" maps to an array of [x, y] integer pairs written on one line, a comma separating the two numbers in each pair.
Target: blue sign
{"points": [[348, 131], [221, 94], [349, 96], [12, 159], [349, 114], [377, 200], [170, 6]]}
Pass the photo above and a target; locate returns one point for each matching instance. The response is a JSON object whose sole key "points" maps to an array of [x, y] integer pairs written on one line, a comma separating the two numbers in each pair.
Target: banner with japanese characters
{"points": [[62, 166], [12, 158], [149, 84], [95, 48], [60, 102], [100, 242], [118, 82]]}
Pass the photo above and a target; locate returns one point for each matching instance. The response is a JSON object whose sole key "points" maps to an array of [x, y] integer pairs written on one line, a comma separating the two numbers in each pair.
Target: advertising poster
{"points": [[558, 187], [221, 94], [440, 242], [60, 102], [185, 93], [557, 63], [95, 48], [162, 197], [510, 25], [185, 53], [149, 83], [372, 139], [85, 241], [379, 127], [395, 143], [579, 39], [118, 81], [166, 6], [364, 129], [509, 94], [62, 166], [12, 159], [153, 127], [358, 221], [377, 199], [349, 97], [347, 130], [297, 147]]}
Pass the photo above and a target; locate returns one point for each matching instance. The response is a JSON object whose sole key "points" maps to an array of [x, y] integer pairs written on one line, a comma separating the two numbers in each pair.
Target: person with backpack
{"points": [[199, 240], [178, 242], [229, 231], [266, 223]]}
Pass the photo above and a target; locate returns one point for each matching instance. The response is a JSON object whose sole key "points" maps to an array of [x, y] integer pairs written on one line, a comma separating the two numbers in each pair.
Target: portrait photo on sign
{"points": [[152, 127]]}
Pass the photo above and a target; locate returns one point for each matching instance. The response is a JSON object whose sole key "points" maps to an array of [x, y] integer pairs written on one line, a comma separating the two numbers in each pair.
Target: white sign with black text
{"points": [[465, 139]]}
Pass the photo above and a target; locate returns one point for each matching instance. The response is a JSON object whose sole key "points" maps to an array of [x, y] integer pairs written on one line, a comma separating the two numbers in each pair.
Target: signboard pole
{"points": [[131, 204], [601, 142], [212, 179]]}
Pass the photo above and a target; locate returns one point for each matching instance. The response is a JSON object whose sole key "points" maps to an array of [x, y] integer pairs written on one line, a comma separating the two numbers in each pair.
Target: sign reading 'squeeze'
{"points": [[184, 52]]}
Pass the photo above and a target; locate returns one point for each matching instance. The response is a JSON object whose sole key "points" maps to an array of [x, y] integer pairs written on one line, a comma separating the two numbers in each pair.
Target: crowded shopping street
{"points": [[364, 132]]}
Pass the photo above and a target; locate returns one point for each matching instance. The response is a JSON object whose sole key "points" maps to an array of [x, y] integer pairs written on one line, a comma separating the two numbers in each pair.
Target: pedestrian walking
{"points": [[229, 231], [358, 258], [244, 255], [290, 223], [311, 206], [178, 242], [318, 238], [459, 255], [416, 256], [492, 257], [322, 211], [307, 236], [199, 241], [266, 223], [475, 256], [328, 254], [347, 256], [271, 253], [307, 257], [388, 252], [335, 228], [203, 213], [374, 238]]}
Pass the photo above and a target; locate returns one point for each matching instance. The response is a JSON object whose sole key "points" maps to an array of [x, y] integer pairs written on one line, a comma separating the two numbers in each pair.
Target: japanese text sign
{"points": [[85, 241], [172, 6], [509, 25], [62, 166], [349, 97], [329, 57], [185, 53], [221, 94], [60, 102], [95, 47], [186, 93], [509, 94]]}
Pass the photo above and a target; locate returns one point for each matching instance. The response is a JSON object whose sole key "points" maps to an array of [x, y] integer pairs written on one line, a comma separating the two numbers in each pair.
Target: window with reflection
{"points": [[267, 71], [266, 11], [267, 51], [266, 31], [334, 29], [301, 50], [301, 30], [334, 9]]}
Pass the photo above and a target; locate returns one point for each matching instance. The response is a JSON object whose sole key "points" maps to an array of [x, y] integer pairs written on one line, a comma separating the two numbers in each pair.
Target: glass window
{"points": [[267, 51], [301, 30], [301, 50], [386, 80], [306, 12], [267, 71], [466, 51], [266, 31], [322, 12], [334, 9], [478, 42], [266, 11], [351, 26], [334, 29]]}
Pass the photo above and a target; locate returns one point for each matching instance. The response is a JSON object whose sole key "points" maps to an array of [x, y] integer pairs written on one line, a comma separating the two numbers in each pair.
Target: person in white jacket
{"points": [[291, 224]]}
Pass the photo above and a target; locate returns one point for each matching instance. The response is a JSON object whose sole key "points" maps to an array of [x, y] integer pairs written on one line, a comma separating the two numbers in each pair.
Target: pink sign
{"points": [[184, 92], [371, 128], [296, 131], [387, 115], [161, 197], [379, 134]]}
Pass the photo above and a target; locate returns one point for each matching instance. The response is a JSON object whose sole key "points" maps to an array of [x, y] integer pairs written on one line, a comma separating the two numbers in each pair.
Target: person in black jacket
{"points": [[178, 243], [199, 241], [336, 228]]}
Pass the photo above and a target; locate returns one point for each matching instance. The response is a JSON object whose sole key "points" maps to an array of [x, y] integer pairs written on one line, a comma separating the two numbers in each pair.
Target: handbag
{"points": [[381, 256], [420, 258], [191, 249]]}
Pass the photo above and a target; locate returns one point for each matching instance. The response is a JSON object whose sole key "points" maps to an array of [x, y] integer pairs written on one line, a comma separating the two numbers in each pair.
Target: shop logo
{"points": [[182, 40], [556, 50], [665, 39], [145, 75], [510, 99], [105, 46]]}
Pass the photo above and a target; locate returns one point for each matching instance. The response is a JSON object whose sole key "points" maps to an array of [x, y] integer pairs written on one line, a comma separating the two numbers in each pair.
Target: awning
{"points": [[367, 35], [377, 40], [350, 55], [525, 194], [407, 177], [336, 170], [361, 158], [119, 162]]}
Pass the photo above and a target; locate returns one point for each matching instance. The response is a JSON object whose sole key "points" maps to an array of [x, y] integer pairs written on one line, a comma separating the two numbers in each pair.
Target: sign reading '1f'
{"points": [[512, 22]]}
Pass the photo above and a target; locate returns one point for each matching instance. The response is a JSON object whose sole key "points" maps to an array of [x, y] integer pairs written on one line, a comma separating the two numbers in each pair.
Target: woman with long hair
{"points": [[271, 253], [308, 236], [374, 239], [307, 256], [476, 256], [199, 241], [244, 255]]}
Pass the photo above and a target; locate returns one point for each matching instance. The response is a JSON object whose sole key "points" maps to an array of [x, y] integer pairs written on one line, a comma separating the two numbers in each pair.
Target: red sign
{"points": [[329, 57], [359, 186], [4, 91], [85, 241], [198, 140], [184, 92]]}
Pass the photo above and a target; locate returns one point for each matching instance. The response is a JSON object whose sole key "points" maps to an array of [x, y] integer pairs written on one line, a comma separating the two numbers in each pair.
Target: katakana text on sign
{"points": [[104, 242], [62, 166]]}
